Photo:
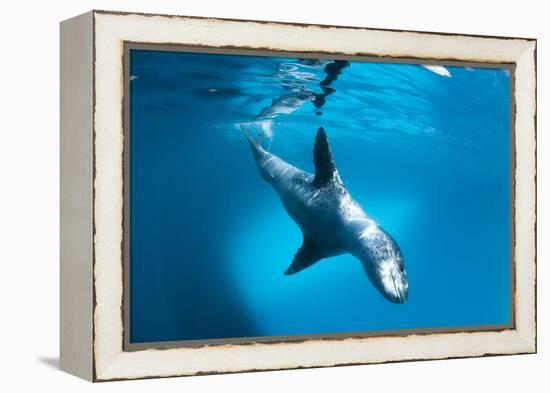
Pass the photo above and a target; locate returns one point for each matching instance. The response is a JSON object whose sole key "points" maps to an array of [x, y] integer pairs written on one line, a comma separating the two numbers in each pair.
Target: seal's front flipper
{"points": [[306, 256]]}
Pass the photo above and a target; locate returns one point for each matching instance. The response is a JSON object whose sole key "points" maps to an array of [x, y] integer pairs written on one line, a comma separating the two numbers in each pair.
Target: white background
{"points": [[29, 182]]}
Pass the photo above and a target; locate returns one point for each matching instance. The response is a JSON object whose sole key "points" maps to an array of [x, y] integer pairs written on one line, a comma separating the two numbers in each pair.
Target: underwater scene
{"points": [[277, 196]]}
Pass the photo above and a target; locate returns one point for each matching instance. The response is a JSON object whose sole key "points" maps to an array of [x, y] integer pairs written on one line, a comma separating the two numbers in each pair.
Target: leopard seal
{"points": [[331, 221]]}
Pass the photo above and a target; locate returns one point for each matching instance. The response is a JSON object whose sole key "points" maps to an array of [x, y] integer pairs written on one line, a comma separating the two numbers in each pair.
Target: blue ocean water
{"points": [[424, 150]]}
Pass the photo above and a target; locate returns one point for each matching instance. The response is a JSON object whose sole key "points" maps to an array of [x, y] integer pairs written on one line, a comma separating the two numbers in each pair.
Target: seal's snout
{"points": [[391, 280], [400, 293]]}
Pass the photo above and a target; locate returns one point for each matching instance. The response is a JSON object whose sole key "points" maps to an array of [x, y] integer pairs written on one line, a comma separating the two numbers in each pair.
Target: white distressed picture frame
{"points": [[92, 194]]}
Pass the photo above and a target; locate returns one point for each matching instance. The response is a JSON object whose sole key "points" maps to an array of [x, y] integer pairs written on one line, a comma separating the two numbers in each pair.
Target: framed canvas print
{"points": [[244, 195]]}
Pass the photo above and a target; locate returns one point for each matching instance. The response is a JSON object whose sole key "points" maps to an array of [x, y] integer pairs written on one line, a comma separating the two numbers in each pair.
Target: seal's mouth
{"points": [[399, 294], [394, 286]]}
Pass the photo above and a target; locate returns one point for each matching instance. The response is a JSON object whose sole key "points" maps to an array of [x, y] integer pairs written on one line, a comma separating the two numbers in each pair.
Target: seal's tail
{"points": [[247, 136], [256, 145]]}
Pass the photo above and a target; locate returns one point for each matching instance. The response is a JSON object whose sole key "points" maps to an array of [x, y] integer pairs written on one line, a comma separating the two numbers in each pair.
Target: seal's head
{"points": [[383, 262], [391, 278]]}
